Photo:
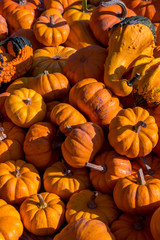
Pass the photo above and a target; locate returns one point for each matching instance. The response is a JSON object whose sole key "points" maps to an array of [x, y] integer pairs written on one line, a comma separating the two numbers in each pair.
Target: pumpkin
{"points": [[132, 227], [82, 144], [42, 214], [57, 10], [65, 3], [39, 145], [51, 30], [21, 82], [88, 63], [11, 227], [2, 49], [129, 40], [22, 51], [18, 180], [80, 35], [104, 16], [50, 106], [78, 12], [3, 28], [50, 85], [28, 34], [146, 90], [157, 27], [52, 59], [63, 114], [95, 101], [85, 229], [137, 194], [149, 164], [63, 180], [3, 115], [147, 8], [106, 169], [11, 141], [18, 19], [52, 4], [8, 6], [92, 205], [154, 227], [133, 132], [156, 52], [25, 107]]}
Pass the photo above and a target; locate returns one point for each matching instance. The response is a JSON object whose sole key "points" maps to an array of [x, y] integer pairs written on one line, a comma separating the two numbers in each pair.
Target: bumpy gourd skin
{"points": [[22, 51], [129, 40]]}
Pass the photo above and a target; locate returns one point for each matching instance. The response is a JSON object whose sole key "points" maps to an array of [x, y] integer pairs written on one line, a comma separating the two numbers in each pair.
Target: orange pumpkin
{"points": [[88, 63], [18, 180], [82, 144], [21, 82], [95, 101], [154, 227], [11, 141], [50, 85], [63, 114], [53, 4], [132, 227], [133, 132], [39, 145], [92, 205], [65, 3], [11, 227], [64, 180], [85, 229], [3, 28], [50, 106], [52, 59], [3, 114], [51, 30], [42, 214], [56, 10], [25, 107]]}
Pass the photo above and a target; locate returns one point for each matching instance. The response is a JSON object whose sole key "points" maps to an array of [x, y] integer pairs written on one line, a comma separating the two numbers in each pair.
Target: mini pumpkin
{"points": [[43, 214], [18, 180], [3, 115], [154, 227], [51, 30], [64, 180], [133, 132], [85, 229], [11, 227], [3, 28]]}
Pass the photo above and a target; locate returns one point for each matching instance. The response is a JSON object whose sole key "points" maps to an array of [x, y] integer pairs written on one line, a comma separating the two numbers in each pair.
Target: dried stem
{"points": [[116, 2], [92, 204], [101, 168], [141, 179], [42, 203], [137, 127], [149, 169]]}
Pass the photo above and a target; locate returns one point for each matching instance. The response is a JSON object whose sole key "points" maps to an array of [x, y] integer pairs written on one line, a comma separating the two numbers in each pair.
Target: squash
{"points": [[154, 227], [3, 28], [129, 40], [3, 114]]}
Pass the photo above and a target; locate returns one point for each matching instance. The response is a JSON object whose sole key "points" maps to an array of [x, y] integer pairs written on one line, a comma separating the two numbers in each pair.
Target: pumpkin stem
{"points": [[16, 173], [67, 170], [92, 204], [42, 203], [139, 224], [116, 2], [27, 101], [141, 179], [84, 6], [69, 128], [101, 168], [149, 169], [137, 127], [51, 23], [22, 2], [3, 136], [46, 72], [132, 81], [56, 57]]}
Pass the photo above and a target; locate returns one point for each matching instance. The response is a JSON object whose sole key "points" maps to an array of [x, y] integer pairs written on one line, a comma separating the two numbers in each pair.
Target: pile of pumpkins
{"points": [[79, 120]]}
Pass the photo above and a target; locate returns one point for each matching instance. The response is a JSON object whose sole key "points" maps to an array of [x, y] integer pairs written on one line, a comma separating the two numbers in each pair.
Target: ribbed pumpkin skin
{"points": [[82, 144], [94, 100], [85, 229], [88, 63], [38, 145], [64, 114], [134, 198], [128, 141], [154, 226], [3, 28], [11, 147], [50, 86], [51, 30], [57, 180], [3, 97], [15, 187], [21, 82], [40, 220], [117, 167], [52, 59], [11, 227], [76, 208], [132, 227], [22, 113]]}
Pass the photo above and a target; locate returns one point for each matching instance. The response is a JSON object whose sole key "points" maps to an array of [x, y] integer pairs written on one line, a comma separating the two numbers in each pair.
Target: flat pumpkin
{"points": [[18, 180], [133, 132]]}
